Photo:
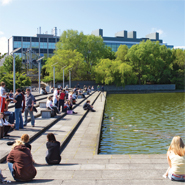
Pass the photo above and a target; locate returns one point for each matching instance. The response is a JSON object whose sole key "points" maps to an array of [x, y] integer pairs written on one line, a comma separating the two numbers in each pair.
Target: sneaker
{"points": [[33, 125], [25, 125]]}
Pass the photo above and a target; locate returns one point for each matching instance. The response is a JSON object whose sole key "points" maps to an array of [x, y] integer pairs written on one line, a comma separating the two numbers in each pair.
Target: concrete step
{"points": [[41, 125]]}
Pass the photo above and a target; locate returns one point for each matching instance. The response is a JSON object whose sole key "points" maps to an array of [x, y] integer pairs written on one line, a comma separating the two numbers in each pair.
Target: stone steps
{"points": [[41, 125]]}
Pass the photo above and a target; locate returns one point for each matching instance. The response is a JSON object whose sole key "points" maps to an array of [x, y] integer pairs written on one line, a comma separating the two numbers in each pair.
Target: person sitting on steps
{"points": [[176, 160], [50, 106], [87, 106], [20, 162], [3, 123], [53, 152]]}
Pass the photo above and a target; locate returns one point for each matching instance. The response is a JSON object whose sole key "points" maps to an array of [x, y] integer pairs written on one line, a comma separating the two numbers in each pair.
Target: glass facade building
{"points": [[41, 44]]}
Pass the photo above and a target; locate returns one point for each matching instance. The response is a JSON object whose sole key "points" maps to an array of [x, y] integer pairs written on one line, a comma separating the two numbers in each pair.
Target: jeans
{"points": [[173, 177], [61, 103], [18, 118], [10, 165], [11, 116], [26, 116]]}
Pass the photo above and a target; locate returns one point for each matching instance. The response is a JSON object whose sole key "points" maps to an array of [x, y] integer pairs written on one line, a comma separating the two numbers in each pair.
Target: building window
{"points": [[26, 44], [51, 40], [43, 39], [43, 44], [51, 45], [43, 50], [17, 44], [36, 50], [17, 38], [33, 39], [51, 51], [35, 44], [26, 39]]}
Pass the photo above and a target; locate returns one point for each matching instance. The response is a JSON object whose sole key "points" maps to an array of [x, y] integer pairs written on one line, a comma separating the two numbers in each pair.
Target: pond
{"points": [[142, 123]]}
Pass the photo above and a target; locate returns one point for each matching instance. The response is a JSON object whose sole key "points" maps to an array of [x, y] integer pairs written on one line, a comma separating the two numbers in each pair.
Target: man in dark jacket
{"points": [[20, 163]]}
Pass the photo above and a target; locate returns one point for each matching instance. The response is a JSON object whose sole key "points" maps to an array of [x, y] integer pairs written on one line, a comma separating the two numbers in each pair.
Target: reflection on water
{"points": [[142, 123]]}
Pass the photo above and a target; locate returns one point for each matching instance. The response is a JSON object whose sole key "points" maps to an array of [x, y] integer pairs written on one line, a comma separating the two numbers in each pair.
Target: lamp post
{"points": [[39, 61], [70, 77], [54, 73], [63, 75], [12, 53]]}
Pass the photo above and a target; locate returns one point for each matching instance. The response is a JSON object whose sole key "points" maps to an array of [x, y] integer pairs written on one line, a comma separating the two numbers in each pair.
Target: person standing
{"points": [[29, 103], [102, 88], [55, 97], [61, 100], [18, 108], [2, 96], [98, 88]]}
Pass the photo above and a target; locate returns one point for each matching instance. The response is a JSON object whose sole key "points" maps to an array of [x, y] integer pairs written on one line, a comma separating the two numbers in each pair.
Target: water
{"points": [[142, 123]]}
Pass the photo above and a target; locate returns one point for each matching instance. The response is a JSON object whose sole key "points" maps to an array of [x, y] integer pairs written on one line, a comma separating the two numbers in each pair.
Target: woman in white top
{"points": [[176, 160], [55, 97], [5, 124], [49, 105]]}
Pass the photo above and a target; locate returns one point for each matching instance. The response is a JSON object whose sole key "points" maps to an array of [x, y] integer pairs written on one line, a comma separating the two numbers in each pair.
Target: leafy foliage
{"points": [[21, 80], [71, 59], [8, 64]]}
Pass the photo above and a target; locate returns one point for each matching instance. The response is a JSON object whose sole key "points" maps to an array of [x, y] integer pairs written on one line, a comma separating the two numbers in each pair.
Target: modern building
{"points": [[44, 44], [40, 44], [127, 38]]}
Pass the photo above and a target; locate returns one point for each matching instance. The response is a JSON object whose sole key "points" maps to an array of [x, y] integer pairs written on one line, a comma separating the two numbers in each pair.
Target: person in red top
{"points": [[61, 100]]}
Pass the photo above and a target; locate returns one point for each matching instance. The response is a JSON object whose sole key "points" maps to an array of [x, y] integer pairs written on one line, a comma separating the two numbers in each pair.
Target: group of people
{"points": [[21, 163], [63, 100], [23, 103], [20, 160]]}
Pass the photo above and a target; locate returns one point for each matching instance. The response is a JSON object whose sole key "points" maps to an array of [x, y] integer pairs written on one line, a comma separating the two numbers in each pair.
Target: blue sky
{"points": [[23, 17]]}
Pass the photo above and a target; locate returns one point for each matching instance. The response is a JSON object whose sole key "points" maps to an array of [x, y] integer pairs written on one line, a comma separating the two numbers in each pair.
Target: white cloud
{"points": [[160, 31], [1, 33], [180, 47], [5, 2], [3, 45]]}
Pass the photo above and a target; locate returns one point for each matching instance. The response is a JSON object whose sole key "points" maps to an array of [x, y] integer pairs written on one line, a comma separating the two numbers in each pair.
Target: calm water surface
{"points": [[142, 123]]}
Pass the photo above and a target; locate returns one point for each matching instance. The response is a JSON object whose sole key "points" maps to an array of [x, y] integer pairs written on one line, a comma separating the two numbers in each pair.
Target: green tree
{"points": [[178, 73], [21, 80], [121, 53], [114, 72], [71, 59], [90, 46], [8, 64]]}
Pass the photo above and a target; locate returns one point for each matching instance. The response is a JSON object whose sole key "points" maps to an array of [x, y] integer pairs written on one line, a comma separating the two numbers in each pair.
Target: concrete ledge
{"points": [[75, 127], [100, 124], [46, 113], [42, 104]]}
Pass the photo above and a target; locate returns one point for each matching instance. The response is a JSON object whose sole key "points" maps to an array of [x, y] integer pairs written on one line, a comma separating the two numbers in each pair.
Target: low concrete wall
{"points": [[156, 87]]}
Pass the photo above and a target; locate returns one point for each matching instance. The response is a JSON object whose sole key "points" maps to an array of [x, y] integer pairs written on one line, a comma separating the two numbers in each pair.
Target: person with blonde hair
{"points": [[20, 162], [25, 139], [176, 160]]}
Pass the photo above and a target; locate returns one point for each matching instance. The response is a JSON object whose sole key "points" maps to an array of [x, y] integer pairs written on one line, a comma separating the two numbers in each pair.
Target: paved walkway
{"points": [[80, 163]]}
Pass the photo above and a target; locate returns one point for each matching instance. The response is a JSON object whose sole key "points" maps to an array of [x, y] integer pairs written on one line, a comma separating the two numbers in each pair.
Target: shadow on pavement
{"points": [[61, 164]]}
